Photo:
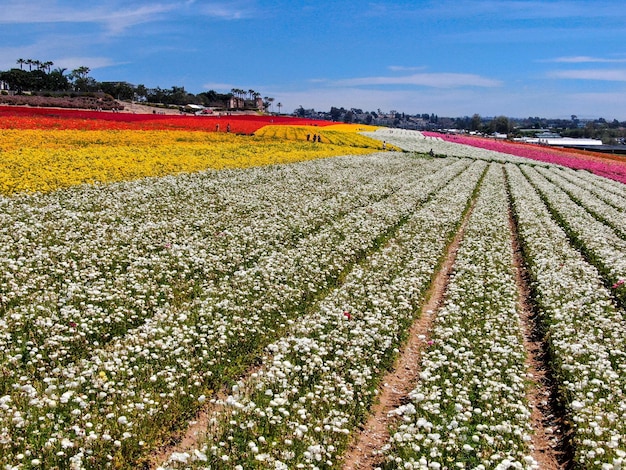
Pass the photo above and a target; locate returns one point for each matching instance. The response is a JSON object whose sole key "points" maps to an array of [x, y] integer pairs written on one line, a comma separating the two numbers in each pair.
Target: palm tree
{"points": [[21, 62], [30, 63], [81, 72], [47, 65]]}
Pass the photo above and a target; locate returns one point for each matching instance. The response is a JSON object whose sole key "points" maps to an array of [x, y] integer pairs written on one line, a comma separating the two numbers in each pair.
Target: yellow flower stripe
{"points": [[45, 160], [338, 134]]}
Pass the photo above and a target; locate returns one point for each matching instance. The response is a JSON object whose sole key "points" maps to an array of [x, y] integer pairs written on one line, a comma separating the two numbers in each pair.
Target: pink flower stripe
{"points": [[608, 166]]}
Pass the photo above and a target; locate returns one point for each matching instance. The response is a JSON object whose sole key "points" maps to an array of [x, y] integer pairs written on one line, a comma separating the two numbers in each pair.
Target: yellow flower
{"points": [[45, 160]]}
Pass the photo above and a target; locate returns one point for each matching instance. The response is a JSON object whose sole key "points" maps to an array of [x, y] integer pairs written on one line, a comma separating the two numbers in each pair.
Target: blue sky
{"points": [[452, 58]]}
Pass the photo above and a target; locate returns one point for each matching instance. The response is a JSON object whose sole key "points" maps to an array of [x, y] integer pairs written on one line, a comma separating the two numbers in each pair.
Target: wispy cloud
{"points": [[591, 74], [116, 16], [111, 16], [435, 80], [582, 59], [93, 63], [402, 68], [500, 9], [233, 10]]}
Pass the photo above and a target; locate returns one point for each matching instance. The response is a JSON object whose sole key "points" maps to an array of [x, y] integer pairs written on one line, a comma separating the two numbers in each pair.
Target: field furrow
{"points": [[317, 383], [600, 244], [469, 409], [226, 324], [584, 330], [273, 301], [600, 187], [609, 215]]}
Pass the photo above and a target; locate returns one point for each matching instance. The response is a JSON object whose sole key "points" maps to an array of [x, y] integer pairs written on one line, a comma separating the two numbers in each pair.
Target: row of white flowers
{"points": [[612, 215], [415, 141], [611, 194], [596, 183], [316, 383], [469, 408], [603, 244], [586, 333], [116, 395]]}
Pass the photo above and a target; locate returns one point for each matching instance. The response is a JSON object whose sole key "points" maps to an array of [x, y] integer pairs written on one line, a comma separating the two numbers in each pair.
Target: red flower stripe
{"points": [[14, 117]]}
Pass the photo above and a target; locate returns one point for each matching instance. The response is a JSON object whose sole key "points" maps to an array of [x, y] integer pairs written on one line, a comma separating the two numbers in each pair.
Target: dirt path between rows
{"points": [[550, 439], [364, 453]]}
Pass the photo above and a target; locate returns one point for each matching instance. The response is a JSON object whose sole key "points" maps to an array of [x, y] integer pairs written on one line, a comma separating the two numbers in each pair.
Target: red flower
{"points": [[347, 315]]}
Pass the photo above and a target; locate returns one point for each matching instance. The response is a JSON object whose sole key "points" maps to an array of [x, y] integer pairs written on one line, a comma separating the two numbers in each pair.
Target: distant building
{"points": [[550, 138]]}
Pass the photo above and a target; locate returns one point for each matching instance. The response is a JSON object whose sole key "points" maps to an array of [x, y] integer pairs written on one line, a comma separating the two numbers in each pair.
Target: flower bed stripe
{"points": [[609, 215], [586, 333], [147, 378], [609, 166], [599, 242], [469, 410], [612, 193], [317, 383], [46, 160]]}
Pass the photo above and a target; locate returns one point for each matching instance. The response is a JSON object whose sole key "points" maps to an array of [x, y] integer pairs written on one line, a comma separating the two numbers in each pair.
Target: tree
{"points": [[80, 79], [335, 113], [501, 125], [57, 80], [141, 93], [279, 105], [17, 79], [476, 123], [21, 62]]}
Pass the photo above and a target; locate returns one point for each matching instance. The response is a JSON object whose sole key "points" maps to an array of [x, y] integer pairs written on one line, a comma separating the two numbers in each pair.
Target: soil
{"points": [[550, 436], [365, 451]]}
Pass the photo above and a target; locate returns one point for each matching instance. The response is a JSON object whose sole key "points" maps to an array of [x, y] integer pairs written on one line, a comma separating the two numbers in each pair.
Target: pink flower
{"points": [[618, 283]]}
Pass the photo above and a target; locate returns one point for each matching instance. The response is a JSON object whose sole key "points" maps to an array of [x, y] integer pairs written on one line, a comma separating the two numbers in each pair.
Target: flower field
{"points": [[43, 153], [607, 165], [268, 283]]}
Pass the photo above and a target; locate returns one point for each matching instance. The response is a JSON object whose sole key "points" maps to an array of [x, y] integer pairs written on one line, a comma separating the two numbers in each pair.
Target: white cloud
{"points": [[401, 68], [227, 10], [434, 80], [591, 74], [110, 15], [71, 63], [584, 59], [500, 9]]}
